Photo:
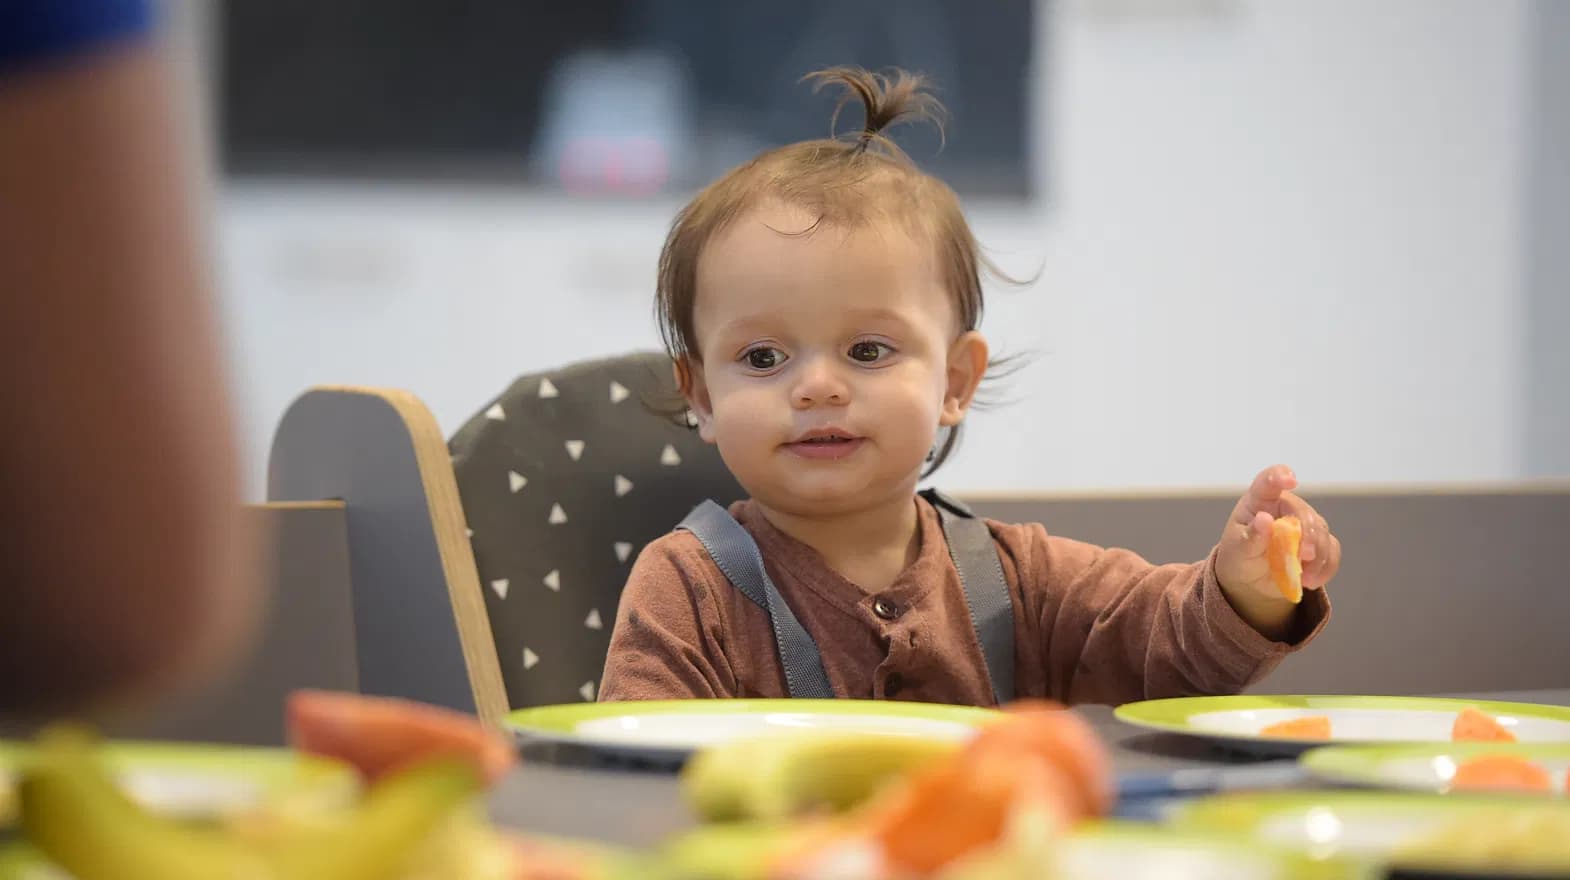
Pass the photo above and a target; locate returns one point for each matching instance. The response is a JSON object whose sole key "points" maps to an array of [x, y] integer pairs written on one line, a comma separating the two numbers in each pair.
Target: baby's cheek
{"points": [[740, 431]]}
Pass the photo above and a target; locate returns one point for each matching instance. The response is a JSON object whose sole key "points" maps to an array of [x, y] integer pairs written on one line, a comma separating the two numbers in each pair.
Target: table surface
{"points": [[640, 807]]}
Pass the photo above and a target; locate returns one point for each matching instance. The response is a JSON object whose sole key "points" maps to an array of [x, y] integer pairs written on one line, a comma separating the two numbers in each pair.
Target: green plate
{"points": [[201, 781], [1096, 851], [1137, 851], [1501, 834], [1236, 721], [1427, 768], [672, 729]]}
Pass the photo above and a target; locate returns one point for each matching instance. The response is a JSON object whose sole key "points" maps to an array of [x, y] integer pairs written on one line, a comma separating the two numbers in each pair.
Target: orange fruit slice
{"points": [[1501, 772], [1286, 567], [1307, 727], [379, 735], [1473, 725], [1037, 756]]}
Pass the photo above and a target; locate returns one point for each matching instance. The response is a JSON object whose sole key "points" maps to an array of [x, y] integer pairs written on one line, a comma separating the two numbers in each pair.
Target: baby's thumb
{"points": [[1252, 539]]}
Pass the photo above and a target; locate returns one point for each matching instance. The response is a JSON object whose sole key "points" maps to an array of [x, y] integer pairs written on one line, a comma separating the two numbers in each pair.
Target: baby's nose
{"points": [[819, 383]]}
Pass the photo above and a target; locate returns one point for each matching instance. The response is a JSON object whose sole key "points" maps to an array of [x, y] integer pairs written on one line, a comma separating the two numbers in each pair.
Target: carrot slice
{"points": [[1049, 730], [379, 735], [1286, 567], [1473, 725], [1507, 772], [945, 813], [1307, 727], [1036, 757]]}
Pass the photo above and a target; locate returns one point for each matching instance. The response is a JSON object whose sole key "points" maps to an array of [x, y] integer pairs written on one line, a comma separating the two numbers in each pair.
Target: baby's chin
{"points": [[827, 497]]}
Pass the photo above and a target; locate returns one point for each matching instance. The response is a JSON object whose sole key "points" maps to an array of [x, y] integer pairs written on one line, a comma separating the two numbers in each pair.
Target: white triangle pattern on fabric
{"points": [[623, 550], [469, 532], [587, 691], [529, 658], [619, 392], [553, 580], [669, 457], [558, 516], [547, 390], [495, 413], [575, 449], [516, 481], [499, 587], [593, 620], [623, 485]]}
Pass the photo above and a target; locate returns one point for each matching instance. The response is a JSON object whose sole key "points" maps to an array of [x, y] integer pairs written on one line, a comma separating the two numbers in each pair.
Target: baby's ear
{"points": [[689, 378], [967, 364]]}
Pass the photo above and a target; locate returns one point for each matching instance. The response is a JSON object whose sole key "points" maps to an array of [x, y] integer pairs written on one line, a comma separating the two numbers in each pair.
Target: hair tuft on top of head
{"points": [[887, 100]]}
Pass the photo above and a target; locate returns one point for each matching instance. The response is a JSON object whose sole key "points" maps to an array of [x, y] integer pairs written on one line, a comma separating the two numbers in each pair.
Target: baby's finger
{"points": [[1327, 562], [1254, 536], [1265, 493]]}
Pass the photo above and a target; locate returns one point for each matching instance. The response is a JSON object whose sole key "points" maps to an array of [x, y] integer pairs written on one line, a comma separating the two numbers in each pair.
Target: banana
{"points": [[398, 815], [733, 851], [773, 778], [7, 802], [74, 813]]}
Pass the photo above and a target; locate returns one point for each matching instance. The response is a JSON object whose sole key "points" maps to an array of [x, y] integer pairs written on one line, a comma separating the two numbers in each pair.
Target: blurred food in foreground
{"points": [[420, 816]]}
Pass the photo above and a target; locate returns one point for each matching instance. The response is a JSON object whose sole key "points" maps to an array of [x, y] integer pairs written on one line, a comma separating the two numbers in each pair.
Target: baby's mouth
{"points": [[832, 443]]}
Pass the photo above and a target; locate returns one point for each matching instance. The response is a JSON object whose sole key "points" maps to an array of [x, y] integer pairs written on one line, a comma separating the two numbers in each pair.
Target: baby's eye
{"points": [[868, 352], [764, 358]]}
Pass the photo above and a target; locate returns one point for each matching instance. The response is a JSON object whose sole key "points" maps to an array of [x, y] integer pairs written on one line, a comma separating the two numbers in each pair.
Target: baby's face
{"points": [[825, 360]]}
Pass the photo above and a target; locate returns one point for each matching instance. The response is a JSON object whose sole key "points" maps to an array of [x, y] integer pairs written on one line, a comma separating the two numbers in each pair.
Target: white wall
{"points": [[1285, 231], [1547, 283]]}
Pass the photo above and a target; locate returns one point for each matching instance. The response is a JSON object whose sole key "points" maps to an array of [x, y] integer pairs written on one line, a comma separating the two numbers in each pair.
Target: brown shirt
{"points": [[1091, 625]]}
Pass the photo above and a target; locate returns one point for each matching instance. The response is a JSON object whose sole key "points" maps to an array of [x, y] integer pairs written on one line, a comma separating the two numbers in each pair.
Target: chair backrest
{"points": [[564, 478], [420, 627]]}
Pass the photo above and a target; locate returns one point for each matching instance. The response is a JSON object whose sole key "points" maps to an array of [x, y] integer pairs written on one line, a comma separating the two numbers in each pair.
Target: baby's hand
{"points": [[1242, 564]]}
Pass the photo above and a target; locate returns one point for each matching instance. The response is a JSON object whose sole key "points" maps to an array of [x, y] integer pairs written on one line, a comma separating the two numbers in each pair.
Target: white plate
{"points": [[1400, 828], [1428, 768], [1237, 721], [1119, 851], [672, 730], [195, 780]]}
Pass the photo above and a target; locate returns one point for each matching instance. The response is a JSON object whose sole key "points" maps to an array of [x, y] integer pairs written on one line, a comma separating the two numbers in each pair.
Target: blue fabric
{"points": [[35, 31]]}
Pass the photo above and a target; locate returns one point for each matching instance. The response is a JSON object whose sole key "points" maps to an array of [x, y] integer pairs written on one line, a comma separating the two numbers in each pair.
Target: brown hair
{"points": [[845, 181]]}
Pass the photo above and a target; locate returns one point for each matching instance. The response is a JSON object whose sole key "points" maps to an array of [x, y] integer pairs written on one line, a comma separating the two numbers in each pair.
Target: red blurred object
{"points": [[615, 166], [379, 735]]}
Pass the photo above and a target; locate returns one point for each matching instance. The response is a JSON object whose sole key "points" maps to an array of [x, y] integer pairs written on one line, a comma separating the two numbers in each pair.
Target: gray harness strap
{"points": [[986, 592], [736, 554], [970, 546]]}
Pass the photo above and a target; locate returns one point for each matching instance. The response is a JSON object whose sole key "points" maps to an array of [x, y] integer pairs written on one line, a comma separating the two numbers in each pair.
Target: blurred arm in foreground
{"points": [[123, 570]]}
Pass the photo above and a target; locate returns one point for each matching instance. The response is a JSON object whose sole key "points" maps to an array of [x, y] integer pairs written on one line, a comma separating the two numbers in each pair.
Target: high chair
{"points": [[485, 575], [564, 478]]}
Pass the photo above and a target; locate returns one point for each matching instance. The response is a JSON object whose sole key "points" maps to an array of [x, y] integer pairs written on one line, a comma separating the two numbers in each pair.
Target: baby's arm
{"points": [[1117, 628], [665, 644]]}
